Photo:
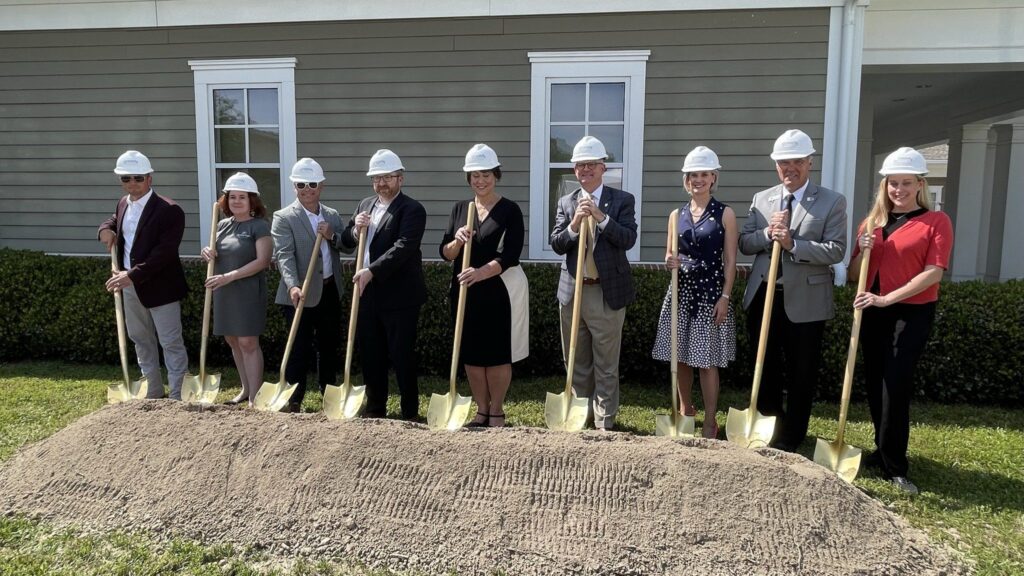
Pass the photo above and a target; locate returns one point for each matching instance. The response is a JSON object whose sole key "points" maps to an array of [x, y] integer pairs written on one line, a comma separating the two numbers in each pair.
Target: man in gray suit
{"points": [[294, 230], [809, 222], [607, 282]]}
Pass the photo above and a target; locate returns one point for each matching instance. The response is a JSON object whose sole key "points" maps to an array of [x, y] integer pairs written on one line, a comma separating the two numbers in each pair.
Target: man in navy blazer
{"points": [[810, 224], [146, 230], [390, 283], [607, 282]]}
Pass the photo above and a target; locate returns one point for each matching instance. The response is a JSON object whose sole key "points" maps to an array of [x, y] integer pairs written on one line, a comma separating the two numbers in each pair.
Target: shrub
{"points": [[55, 307]]}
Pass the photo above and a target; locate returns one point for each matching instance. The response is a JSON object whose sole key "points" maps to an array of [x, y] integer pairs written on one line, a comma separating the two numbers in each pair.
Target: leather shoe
{"points": [[905, 485], [372, 414]]}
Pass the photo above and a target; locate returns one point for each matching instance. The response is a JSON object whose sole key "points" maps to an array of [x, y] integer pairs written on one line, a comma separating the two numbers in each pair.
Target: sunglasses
{"points": [[302, 185], [127, 179]]}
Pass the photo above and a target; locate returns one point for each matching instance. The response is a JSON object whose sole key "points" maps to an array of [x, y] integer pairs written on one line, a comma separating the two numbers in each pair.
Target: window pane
{"points": [[563, 138], [263, 106], [263, 145], [228, 107], [561, 181], [568, 103], [613, 178], [607, 102], [230, 144], [611, 137]]}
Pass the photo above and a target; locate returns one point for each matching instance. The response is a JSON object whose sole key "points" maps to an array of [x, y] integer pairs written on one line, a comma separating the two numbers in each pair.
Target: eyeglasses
{"points": [[136, 178], [302, 185], [588, 165], [386, 178]]}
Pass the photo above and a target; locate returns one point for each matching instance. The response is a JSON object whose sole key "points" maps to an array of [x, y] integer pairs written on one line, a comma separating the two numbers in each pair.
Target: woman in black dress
{"points": [[491, 341]]}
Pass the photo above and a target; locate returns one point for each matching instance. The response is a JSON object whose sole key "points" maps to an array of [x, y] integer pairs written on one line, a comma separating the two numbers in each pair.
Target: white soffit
{"points": [[24, 15]]}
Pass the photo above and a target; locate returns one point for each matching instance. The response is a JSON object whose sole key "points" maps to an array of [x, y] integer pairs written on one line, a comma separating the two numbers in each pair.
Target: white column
{"points": [[965, 183], [1012, 262]]}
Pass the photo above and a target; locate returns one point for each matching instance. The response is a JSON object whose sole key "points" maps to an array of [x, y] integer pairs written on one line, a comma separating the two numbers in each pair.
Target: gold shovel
{"points": [[273, 396], [346, 401], [677, 423], [838, 457], [127, 390], [204, 387], [449, 411], [749, 428], [565, 412]]}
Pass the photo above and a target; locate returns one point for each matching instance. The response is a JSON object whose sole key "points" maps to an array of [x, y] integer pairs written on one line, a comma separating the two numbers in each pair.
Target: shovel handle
{"points": [[851, 354], [766, 318], [302, 304], [576, 298], [673, 234], [353, 315], [122, 345], [208, 298], [460, 309]]}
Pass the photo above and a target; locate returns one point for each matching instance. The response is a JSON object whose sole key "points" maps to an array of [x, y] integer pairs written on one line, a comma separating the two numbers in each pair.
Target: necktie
{"points": [[589, 265], [787, 204]]}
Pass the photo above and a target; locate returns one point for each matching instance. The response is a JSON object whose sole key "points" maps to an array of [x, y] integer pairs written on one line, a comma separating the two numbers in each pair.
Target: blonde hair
{"points": [[878, 217]]}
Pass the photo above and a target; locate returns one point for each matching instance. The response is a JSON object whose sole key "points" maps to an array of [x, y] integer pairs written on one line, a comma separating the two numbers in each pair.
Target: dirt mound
{"points": [[520, 500]]}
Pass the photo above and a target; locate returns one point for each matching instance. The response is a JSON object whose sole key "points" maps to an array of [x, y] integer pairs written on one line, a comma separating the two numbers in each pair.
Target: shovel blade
{"points": [[273, 396], [344, 402], [203, 391], [117, 393], [447, 411], [211, 387], [749, 428], [842, 459], [682, 427], [566, 413]]}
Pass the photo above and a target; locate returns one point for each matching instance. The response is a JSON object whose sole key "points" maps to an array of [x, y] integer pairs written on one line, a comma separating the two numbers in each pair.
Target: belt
{"points": [[329, 279], [778, 287], [591, 281]]}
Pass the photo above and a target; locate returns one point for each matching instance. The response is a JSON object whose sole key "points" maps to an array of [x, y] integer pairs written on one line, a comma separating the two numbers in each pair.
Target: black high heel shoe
{"points": [[497, 416], [481, 424]]}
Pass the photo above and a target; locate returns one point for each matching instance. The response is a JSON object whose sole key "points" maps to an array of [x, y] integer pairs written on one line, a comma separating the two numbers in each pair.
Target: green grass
{"points": [[967, 460]]}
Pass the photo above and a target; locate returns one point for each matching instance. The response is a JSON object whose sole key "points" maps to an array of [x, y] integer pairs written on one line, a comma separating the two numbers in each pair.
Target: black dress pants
{"points": [[387, 337], [791, 363], [318, 336], [892, 340]]}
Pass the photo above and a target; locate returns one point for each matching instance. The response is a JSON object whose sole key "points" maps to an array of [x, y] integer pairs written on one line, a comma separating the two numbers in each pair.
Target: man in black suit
{"points": [[146, 230], [607, 283], [390, 283]]}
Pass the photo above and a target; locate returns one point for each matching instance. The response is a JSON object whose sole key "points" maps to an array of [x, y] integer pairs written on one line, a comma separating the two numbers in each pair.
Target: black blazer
{"points": [[395, 257], [156, 269]]}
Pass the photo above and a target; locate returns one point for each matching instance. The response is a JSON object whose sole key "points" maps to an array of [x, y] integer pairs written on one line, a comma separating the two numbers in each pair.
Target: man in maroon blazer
{"points": [[146, 230]]}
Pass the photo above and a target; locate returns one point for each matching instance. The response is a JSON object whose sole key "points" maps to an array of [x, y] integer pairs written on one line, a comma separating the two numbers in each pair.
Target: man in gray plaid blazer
{"points": [[607, 283]]}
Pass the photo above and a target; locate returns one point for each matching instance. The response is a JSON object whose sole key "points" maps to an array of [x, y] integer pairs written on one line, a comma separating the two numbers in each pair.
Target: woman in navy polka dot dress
{"points": [[708, 238]]}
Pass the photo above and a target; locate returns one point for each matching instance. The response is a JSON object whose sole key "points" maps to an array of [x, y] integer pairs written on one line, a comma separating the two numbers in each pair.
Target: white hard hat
{"points": [[307, 170], [701, 159], [481, 157], [904, 161], [133, 162], [588, 149], [384, 161], [792, 144], [242, 182]]}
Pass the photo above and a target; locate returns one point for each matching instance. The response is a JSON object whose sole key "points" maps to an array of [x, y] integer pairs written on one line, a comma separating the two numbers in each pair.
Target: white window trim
{"points": [[249, 73], [629, 66]]}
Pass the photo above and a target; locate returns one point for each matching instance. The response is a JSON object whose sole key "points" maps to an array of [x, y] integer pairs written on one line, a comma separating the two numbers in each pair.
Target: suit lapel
{"points": [[300, 214], [147, 213], [801, 209], [388, 215]]}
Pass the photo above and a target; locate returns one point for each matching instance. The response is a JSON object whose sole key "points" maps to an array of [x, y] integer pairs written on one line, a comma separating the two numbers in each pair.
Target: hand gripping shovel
{"points": [[346, 401], [450, 411], [565, 412], [273, 396], [676, 424], [204, 387], [840, 458], [749, 428], [127, 390]]}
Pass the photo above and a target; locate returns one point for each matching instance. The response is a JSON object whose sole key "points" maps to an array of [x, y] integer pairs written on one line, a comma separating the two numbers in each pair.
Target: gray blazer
{"points": [[818, 223], [293, 245]]}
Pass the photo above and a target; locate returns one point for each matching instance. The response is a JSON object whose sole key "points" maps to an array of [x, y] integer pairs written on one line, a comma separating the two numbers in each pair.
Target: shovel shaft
{"points": [[766, 319], [122, 345], [353, 315], [673, 234], [460, 308], [576, 298], [208, 299], [313, 261], [851, 354]]}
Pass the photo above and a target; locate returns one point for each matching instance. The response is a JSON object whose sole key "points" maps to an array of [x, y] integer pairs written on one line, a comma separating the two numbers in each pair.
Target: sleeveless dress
{"points": [[495, 330], [240, 308], [702, 343]]}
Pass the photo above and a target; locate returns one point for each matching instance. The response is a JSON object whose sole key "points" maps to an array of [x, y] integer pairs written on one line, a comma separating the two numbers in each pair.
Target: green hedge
{"points": [[55, 307]]}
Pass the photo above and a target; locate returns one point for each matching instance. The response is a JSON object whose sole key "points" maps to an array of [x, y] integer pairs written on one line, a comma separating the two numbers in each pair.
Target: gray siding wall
{"points": [[71, 102]]}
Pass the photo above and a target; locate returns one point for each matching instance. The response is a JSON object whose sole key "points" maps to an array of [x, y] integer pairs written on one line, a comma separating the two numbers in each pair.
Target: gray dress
{"points": [[240, 308]]}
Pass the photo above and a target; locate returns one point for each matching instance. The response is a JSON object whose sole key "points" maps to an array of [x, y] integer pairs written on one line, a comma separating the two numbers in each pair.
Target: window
{"points": [[574, 94], [245, 122]]}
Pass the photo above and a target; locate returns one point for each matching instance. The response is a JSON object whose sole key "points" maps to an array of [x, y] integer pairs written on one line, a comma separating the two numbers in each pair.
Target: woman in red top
{"points": [[910, 245]]}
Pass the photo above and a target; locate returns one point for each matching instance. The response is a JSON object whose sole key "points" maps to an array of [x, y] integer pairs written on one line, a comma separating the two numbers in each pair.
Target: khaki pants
{"points": [[151, 329]]}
